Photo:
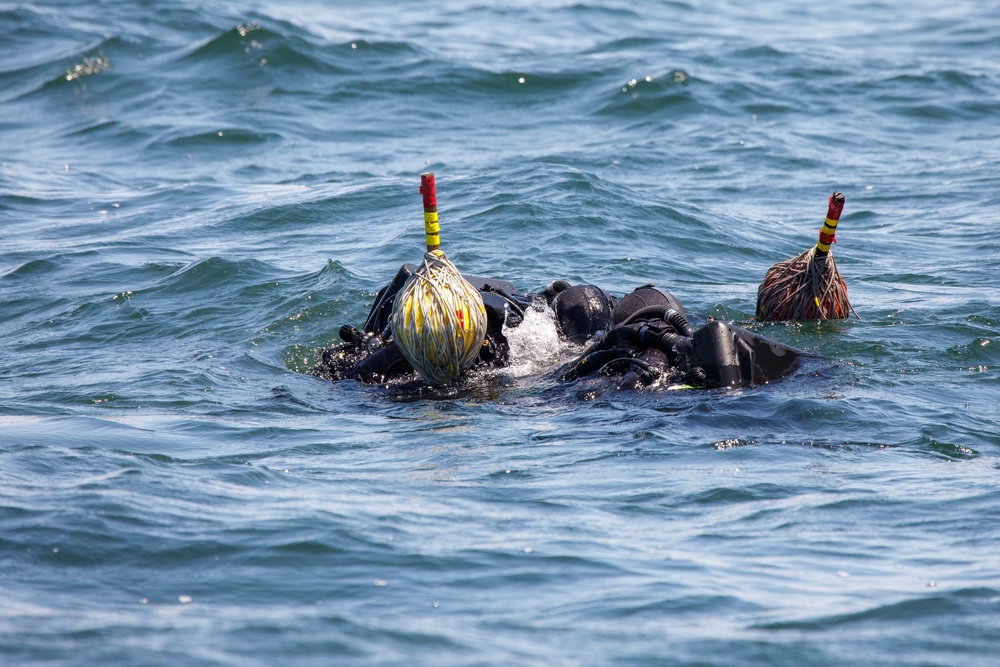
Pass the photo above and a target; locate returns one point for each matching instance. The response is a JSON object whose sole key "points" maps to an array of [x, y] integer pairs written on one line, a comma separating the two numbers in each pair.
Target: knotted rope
{"points": [[438, 318], [808, 286]]}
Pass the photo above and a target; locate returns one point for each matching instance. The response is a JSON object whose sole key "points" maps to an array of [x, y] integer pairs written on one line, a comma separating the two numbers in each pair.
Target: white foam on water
{"points": [[535, 344]]}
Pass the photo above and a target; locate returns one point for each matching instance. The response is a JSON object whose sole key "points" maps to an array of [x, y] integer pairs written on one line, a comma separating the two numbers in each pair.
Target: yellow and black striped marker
{"points": [[827, 235]]}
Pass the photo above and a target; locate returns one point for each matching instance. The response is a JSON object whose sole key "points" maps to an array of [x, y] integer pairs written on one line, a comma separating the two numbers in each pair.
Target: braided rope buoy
{"points": [[438, 319], [807, 286]]}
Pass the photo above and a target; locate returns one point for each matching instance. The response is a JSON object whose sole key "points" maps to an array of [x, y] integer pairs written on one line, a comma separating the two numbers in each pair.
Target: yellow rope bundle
{"points": [[438, 320]]}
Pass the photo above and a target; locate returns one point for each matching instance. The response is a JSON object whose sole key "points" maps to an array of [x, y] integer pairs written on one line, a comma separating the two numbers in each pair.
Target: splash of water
{"points": [[535, 344], [91, 65]]}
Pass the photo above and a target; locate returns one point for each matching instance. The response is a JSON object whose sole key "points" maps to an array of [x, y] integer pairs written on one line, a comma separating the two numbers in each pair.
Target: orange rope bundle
{"points": [[808, 286]]}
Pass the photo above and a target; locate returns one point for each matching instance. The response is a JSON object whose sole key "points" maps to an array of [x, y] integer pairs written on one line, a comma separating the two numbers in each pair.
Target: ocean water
{"points": [[195, 196]]}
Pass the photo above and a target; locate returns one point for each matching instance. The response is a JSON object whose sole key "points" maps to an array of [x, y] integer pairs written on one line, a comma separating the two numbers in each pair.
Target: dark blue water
{"points": [[195, 196]]}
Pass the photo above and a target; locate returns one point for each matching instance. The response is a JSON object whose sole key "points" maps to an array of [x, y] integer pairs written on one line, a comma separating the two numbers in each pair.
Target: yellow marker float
{"points": [[438, 318]]}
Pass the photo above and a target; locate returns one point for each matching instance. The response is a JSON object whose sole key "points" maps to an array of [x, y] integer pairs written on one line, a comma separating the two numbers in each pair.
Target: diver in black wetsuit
{"points": [[648, 339], [639, 340]]}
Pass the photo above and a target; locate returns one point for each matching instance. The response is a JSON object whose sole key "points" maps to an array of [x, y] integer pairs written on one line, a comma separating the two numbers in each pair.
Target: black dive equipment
{"points": [[640, 340]]}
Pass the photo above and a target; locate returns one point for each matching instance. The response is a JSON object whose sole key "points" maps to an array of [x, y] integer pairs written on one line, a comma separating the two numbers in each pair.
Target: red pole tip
{"points": [[836, 206], [428, 190]]}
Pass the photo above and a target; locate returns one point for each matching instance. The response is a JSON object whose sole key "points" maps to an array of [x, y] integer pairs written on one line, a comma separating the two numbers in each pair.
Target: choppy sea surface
{"points": [[195, 196]]}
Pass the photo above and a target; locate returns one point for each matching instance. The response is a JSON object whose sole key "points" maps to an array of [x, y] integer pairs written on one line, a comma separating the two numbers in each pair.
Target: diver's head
{"points": [[642, 297], [582, 311]]}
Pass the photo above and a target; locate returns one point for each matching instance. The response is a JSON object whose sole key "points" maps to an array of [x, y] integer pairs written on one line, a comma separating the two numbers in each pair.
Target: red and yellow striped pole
{"points": [[827, 234], [432, 230]]}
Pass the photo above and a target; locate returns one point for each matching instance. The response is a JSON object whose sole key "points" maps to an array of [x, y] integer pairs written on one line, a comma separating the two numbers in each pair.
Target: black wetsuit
{"points": [[642, 339]]}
